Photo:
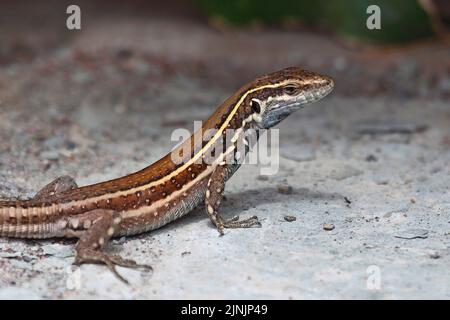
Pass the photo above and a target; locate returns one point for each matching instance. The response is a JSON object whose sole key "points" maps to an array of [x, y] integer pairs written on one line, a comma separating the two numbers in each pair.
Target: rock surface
{"points": [[97, 108]]}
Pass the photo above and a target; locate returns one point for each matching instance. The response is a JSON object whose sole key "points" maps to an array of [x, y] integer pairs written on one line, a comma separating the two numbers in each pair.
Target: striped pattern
{"points": [[158, 194]]}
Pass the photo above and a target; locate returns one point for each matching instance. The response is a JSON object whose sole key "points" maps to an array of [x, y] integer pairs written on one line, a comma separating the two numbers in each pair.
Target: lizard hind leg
{"points": [[89, 248], [59, 185], [214, 195]]}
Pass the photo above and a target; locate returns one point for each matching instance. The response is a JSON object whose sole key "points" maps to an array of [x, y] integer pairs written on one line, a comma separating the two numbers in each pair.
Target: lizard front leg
{"points": [[213, 197], [95, 229], [59, 185]]}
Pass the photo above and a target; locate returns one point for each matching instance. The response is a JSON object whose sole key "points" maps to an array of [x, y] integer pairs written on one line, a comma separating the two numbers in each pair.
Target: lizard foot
{"points": [[92, 241], [111, 261], [234, 223], [128, 263]]}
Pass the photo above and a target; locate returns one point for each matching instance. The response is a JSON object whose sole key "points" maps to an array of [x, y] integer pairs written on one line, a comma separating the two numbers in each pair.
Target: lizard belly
{"points": [[178, 204]]}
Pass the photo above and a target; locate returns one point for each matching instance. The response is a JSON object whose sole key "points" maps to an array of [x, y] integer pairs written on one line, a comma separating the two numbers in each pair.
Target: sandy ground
{"points": [[365, 172]]}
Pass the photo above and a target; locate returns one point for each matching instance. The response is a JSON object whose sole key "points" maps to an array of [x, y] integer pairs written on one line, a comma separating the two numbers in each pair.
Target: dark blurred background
{"points": [[228, 42]]}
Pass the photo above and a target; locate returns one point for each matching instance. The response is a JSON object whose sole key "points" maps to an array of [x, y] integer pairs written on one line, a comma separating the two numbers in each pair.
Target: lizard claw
{"points": [[234, 223]]}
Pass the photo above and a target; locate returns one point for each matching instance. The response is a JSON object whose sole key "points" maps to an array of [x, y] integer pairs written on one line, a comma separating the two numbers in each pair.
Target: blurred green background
{"points": [[401, 20]]}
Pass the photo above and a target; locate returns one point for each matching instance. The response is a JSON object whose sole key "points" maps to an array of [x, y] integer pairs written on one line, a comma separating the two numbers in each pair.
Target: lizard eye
{"points": [[255, 106], [290, 89]]}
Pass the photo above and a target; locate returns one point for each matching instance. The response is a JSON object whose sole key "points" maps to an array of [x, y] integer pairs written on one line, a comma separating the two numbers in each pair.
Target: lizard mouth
{"points": [[323, 91], [279, 112]]}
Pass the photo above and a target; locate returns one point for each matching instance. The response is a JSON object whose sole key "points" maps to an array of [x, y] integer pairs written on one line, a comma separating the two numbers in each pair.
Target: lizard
{"points": [[165, 190]]}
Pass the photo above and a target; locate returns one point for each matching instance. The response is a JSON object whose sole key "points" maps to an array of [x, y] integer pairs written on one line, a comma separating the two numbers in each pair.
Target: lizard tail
{"points": [[20, 220]]}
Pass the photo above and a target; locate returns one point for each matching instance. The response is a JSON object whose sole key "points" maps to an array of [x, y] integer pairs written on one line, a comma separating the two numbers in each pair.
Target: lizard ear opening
{"points": [[255, 106]]}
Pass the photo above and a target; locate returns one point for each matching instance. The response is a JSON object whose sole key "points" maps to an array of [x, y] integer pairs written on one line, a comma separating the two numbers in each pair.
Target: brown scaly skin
{"points": [[165, 190]]}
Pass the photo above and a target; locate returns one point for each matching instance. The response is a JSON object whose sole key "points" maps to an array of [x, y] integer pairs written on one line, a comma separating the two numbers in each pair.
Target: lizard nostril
{"points": [[328, 82]]}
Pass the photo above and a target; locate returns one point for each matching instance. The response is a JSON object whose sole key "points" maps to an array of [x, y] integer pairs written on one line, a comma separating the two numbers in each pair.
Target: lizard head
{"points": [[284, 92]]}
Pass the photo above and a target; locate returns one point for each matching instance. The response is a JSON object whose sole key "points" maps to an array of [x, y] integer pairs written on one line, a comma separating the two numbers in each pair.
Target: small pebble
{"points": [[121, 240], [289, 218], [434, 255], [27, 258], [284, 189], [328, 226]]}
